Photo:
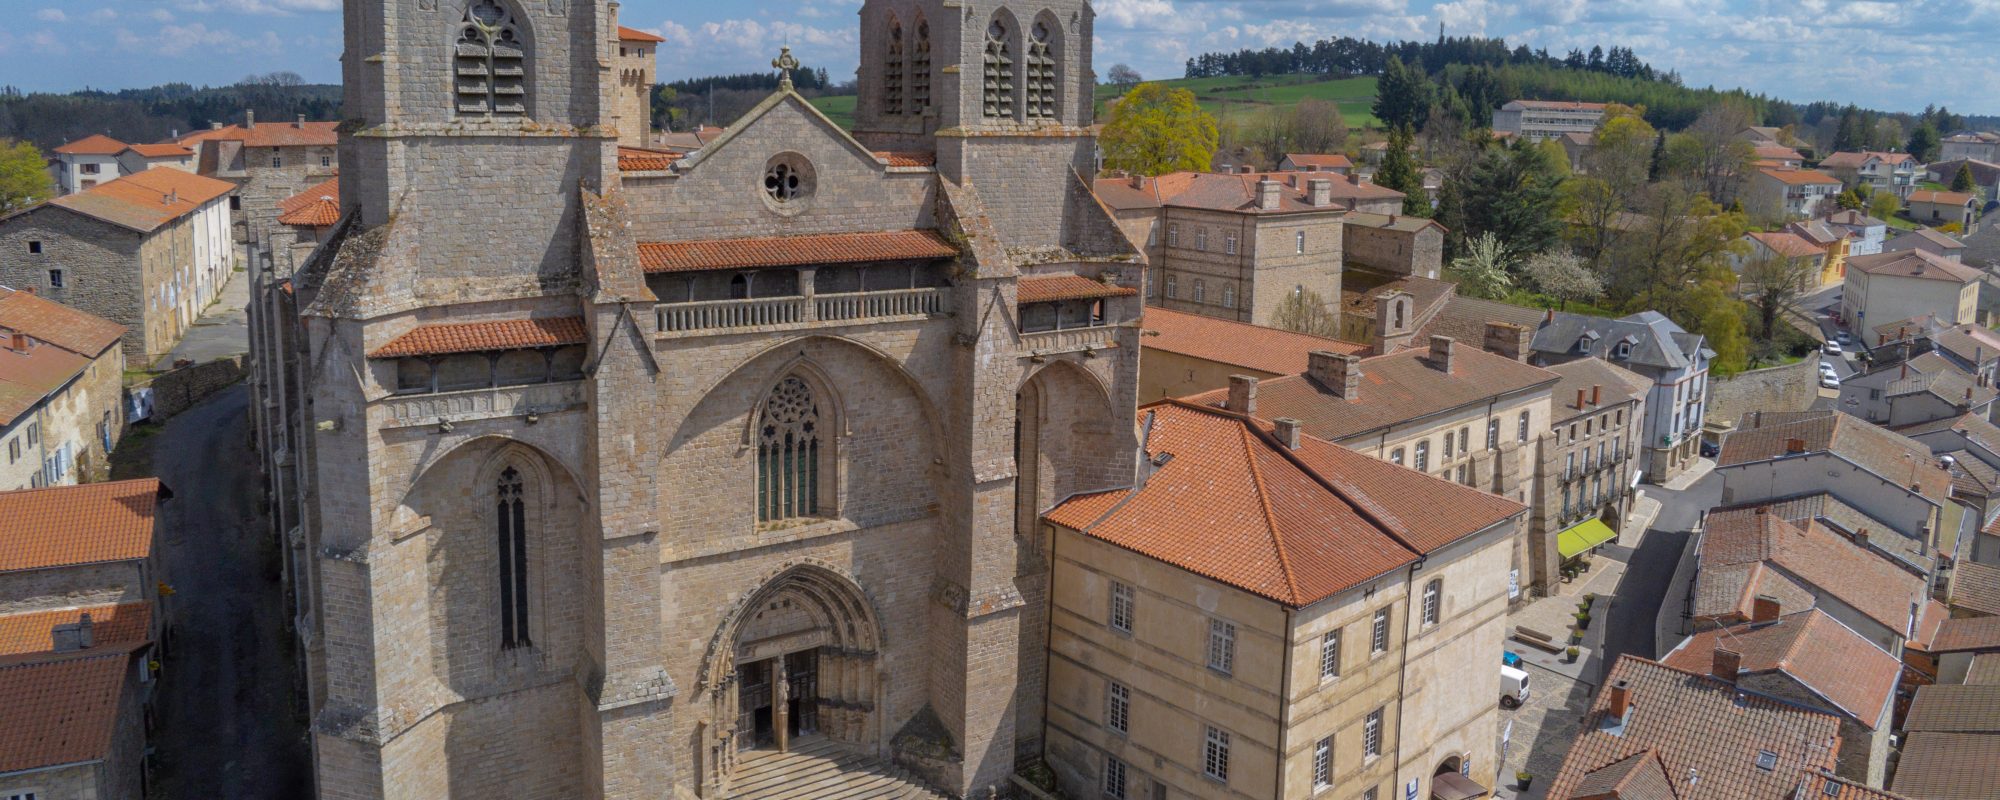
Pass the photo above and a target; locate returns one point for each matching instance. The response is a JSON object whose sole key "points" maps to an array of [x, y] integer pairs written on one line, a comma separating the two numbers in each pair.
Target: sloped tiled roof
{"points": [[1052, 288], [1823, 785], [907, 158], [1954, 708], [273, 134], [477, 337], [1799, 177], [783, 251], [1613, 385], [1464, 319], [1896, 458], [1320, 160], [1919, 264], [1230, 503], [1359, 289], [96, 144], [640, 159], [60, 711], [1656, 341], [1853, 219], [1949, 766], [65, 525], [1829, 658], [143, 201], [62, 344], [1942, 198], [79, 332], [1400, 386], [1701, 726], [1856, 159], [33, 631], [1972, 343], [1984, 670], [1747, 554], [163, 150], [1976, 588], [1778, 152], [635, 35], [316, 207], [1636, 777], [1960, 634], [1238, 344], [1789, 245], [1554, 105]]}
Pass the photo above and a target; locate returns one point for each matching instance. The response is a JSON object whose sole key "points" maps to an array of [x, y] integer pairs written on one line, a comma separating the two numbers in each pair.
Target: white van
{"points": [[1513, 687]]}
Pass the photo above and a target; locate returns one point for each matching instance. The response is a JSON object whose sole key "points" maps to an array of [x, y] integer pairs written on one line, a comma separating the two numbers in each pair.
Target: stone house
{"points": [[1931, 241], [142, 157], [1280, 664], [1186, 354], [1914, 391], [1979, 145], [633, 103], [1777, 156], [1587, 464], [1788, 246], [267, 162], [1335, 163], [1653, 346], [61, 401], [1536, 120], [1785, 194], [148, 251], [1907, 284], [87, 162], [1394, 243], [1879, 171], [1938, 208]]}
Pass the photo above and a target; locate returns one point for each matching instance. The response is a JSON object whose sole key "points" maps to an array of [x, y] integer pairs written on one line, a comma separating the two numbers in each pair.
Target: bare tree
{"points": [[1773, 285], [1124, 76], [1564, 276], [1709, 153], [1304, 311], [1317, 127]]}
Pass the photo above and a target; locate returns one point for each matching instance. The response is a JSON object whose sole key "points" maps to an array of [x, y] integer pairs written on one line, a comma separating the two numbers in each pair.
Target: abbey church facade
{"points": [[603, 468]]}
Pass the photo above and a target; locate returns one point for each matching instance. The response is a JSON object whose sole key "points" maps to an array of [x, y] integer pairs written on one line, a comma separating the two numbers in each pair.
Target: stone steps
{"points": [[817, 769]]}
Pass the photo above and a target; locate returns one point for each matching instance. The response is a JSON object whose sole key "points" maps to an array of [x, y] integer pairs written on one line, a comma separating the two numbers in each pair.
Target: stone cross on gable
{"points": [[785, 63]]}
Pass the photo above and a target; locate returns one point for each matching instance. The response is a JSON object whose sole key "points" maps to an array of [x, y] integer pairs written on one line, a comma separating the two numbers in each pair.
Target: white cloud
{"points": [[51, 15], [179, 40], [1135, 13], [1464, 17], [47, 43], [276, 8], [108, 14]]}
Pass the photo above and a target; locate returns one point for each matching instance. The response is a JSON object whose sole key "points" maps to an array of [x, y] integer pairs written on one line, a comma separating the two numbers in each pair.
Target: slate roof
{"points": [[1052, 288], [1400, 386], [1229, 502], [1701, 726], [67, 525], [144, 201], [476, 337], [1961, 634], [1976, 588], [1614, 385], [1828, 658], [316, 207], [1464, 319], [61, 711], [1894, 457], [112, 624], [785, 251], [1949, 766], [96, 144], [1745, 554], [1656, 340], [1239, 344], [1918, 264]]}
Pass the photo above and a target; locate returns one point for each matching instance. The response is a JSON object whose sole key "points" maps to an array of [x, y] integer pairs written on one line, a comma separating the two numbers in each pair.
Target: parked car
{"points": [[1831, 348], [1710, 449], [1514, 688], [1828, 380]]}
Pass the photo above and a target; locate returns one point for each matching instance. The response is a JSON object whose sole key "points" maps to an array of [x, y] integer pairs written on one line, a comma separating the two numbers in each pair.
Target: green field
{"points": [[1228, 99]]}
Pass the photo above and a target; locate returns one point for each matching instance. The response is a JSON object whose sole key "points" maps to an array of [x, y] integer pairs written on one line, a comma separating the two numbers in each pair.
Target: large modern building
{"points": [[1536, 120]]}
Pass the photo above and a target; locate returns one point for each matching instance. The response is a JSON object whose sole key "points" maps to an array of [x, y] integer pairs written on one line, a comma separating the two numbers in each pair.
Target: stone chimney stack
{"points": [[1765, 608], [249, 118], [1242, 394], [1288, 432], [1268, 194], [1726, 664], [1441, 353], [1246, 169], [300, 122], [1339, 373], [1319, 192], [1509, 340]]}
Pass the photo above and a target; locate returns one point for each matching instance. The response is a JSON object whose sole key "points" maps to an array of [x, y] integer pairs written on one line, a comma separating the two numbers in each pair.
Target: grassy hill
{"points": [[1227, 98]]}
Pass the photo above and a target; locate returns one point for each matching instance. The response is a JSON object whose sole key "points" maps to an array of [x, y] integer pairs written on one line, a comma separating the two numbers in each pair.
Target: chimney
{"points": [[1319, 192], [1354, 178], [1242, 394], [18, 343], [1268, 194], [1246, 169], [1551, 316], [1138, 181], [1795, 445], [1621, 697], [1861, 537], [1597, 395], [1579, 400], [1392, 217], [300, 122], [215, 126], [1765, 608], [1441, 353], [1508, 340], [249, 118], [1727, 663], [1339, 373], [1288, 432]]}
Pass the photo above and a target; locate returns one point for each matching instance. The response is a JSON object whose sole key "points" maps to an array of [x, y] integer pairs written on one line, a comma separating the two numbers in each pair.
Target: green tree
{"points": [[1304, 311], [1485, 268], [1516, 195], [1924, 143], [1962, 181], [1155, 130], [1848, 133], [1403, 95], [1614, 172], [1849, 199], [1773, 283], [24, 176], [1884, 205], [1718, 316], [1563, 275], [1399, 172], [1679, 241]]}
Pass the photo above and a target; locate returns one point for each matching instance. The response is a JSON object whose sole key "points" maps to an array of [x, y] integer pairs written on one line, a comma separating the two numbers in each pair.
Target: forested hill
{"points": [[157, 113]]}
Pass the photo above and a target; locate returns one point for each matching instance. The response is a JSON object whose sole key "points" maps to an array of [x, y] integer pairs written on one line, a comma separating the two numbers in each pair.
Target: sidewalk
{"points": [[222, 330], [1555, 614], [1701, 468]]}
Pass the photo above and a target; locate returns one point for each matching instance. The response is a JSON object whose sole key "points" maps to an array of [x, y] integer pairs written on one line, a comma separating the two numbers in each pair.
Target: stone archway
{"points": [[795, 658]]}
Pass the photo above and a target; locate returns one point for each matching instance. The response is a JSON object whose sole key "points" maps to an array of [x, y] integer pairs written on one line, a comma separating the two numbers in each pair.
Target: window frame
{"points": [[1433, 598], [1421, 462], [1493, 434], [1371, 735], [1221, 646], [1229, 244], [34, 247], [1322, 764], [1117, 707], [56, 280], [1378, 631], [1215, 754], [1329, 655], [1521, 437], [1129, 603], [1396, 456], [1302, 243], [1115, 778]]}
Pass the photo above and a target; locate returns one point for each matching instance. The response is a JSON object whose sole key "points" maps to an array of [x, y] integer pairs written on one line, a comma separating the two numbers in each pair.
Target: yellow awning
{"points": [[1587, 534]]}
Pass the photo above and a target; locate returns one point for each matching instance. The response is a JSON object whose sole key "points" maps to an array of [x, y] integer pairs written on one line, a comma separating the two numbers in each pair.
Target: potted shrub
{"points": [[1582, 620], [1572, 653], [1522, 779], [1575, 636]]}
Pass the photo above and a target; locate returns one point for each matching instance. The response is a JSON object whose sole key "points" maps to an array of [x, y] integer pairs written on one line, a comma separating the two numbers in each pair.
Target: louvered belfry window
{"points": [[1041, 75], [920, 69], [491, 63], [999, 90], [892, 71]]}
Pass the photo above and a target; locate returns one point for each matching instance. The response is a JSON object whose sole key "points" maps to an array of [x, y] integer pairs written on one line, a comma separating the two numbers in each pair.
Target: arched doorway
{"points": [[1450, 765], [796, 659]]}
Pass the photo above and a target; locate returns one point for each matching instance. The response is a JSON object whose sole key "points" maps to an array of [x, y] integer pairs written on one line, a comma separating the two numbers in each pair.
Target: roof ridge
{"points": [[1264, 503]]}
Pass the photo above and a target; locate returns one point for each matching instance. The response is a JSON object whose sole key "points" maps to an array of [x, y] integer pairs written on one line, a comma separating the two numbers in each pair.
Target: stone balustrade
{"points": [[477, 404], [778, 313]]}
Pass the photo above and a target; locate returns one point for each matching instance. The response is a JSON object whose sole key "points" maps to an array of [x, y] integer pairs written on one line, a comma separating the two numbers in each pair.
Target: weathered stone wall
{"points": [[1419, 252], [1792, 387], [98, 261], [178, 390], [84, 782], [86, 585]]}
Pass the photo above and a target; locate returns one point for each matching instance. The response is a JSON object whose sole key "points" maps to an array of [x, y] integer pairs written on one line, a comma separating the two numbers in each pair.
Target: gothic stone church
{"points": [[614, 467]]}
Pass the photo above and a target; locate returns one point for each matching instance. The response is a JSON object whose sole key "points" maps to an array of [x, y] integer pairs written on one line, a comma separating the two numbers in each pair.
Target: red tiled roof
{"points": [[1798, 177], [316, 207], [1928, 624], [62, 344], [1745, 554], [33, 632], [273, 134], [1921, 264], [67, 525], [1272, 351], [1813, 648], [1894, 457], [476, 337], [1822, 785], [1234, 193], [1853, 159], [1778, 152], [1967, 633], [163, 150], [61, 711], [907, 158], [96, 144], [1320, 160], [1955, 708], [635, 35], [1293, 526], [639, 159], [1976, 588], [1702, 726], [1941, 198], [1789, 245], [1949, 766], [146, 200], [786, 251], [79, 332], [1639, 776], [1051, 288]]}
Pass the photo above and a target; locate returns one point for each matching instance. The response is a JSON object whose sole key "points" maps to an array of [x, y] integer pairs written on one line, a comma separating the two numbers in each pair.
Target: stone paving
{"points": [[223, 329]]}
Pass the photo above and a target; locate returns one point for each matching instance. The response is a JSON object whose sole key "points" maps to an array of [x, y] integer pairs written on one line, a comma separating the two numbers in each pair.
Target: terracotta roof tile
{"points": [[143, 201], [1702, 726], [639, 159], [1830, 659], [1855, 159], [1822, 785], [163, 150], [1294, 526], [273, 134], [1320, 160], [785, 251], [96, 144], [32, 632], [1974, 344], [1238, 344], [1892, 456], [79, 332], [1234, 193], [1976, 588], [1920, 264], [1360, 287], [1051, 288], [1928, 624], [476, 337], [1799, 177], [1744, 554], [907, 158], [1949, 766], [316, 207], [1960, 634], [1789, 245], [1778, 152], [1942, 198], [1396, 387], [87, 524], [1947, 708], [635, 35], [1984, 670], [1465, 318], [60, 711], [1611, 383], [1639, 776]]}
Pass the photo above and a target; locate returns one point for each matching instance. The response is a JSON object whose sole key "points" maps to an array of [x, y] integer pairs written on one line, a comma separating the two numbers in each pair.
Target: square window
{"points": [[1368, 794], [1221, 645], [1215, 754], [235, 203], [55, 279], [1121, 607], [34, 247], [1767, 760]]}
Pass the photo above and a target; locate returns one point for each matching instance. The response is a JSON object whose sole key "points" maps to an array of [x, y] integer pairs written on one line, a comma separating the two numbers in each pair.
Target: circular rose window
{"points": [[788, 183]]}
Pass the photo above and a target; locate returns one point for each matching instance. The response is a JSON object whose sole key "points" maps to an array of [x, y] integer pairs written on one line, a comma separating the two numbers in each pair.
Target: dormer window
{"points": [[1622, 351]]}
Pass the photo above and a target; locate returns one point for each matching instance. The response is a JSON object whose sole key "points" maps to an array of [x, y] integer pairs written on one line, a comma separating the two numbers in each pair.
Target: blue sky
{"points": [[1896, 55]]}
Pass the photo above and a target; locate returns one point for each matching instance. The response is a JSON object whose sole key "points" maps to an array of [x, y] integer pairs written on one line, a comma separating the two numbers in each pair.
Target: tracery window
{"points": [[489, 72], [892, 71], [999, 88], [1041, 74], [512, 517], [920, 69], [788, 452]]}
